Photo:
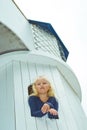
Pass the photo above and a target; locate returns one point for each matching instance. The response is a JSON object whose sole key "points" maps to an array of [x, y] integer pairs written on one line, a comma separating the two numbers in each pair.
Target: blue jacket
{"points": [[36, 104]]}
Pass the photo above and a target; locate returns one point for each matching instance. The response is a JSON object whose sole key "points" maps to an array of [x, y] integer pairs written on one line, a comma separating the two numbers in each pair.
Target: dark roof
{"points": [[49, 27]]}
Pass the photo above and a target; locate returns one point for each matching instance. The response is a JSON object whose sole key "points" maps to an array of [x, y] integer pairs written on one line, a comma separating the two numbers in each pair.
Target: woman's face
{"points": [[42, 86]]}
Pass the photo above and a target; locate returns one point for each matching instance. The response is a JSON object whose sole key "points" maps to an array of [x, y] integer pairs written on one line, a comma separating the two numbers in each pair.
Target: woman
{"points": [[42, 101]]}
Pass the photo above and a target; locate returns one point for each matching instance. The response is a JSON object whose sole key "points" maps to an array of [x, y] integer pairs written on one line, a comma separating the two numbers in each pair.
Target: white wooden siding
{"points": [[74, 105], [7, 110], [14, 110]]}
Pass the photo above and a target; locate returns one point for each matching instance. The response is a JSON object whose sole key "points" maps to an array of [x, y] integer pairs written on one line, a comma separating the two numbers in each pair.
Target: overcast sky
{"points": [[69, 19]]}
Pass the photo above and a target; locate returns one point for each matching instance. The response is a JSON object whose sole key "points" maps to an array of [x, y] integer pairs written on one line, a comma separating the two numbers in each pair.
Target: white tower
{"points": [[27, 49]]}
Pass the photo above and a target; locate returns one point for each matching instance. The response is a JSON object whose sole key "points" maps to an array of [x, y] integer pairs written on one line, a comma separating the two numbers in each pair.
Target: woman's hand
{"points": [[45, 108], [53, 111]]}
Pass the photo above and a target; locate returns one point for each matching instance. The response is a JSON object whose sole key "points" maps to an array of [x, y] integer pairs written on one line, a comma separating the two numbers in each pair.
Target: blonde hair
{"points": [[50, 91]]}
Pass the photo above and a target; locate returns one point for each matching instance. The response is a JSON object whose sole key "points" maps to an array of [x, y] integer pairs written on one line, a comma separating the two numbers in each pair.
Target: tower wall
{"points": [[15, 76], [18, 69]]}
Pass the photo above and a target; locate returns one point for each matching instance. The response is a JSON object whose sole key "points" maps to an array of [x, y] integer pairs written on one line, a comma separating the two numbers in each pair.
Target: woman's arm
{"points": [[53, 103], [53, 111], [35, 111]]}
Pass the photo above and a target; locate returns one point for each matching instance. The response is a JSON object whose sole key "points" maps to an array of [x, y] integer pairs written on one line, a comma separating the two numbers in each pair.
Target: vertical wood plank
{"points": [[32, 71], [39, 69], [41, 123], [62, 125], [10, 98], [52, 124], [18, 92], [32, 74], [30, 122], [3, 99], [59, 88]]}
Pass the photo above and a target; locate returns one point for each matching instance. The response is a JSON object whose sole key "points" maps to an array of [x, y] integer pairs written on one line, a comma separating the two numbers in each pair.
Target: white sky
{"points": [[69, 19]]}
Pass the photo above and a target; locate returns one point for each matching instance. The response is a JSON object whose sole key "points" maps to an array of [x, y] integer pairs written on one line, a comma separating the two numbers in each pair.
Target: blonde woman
{"points": [[42, 101]]}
